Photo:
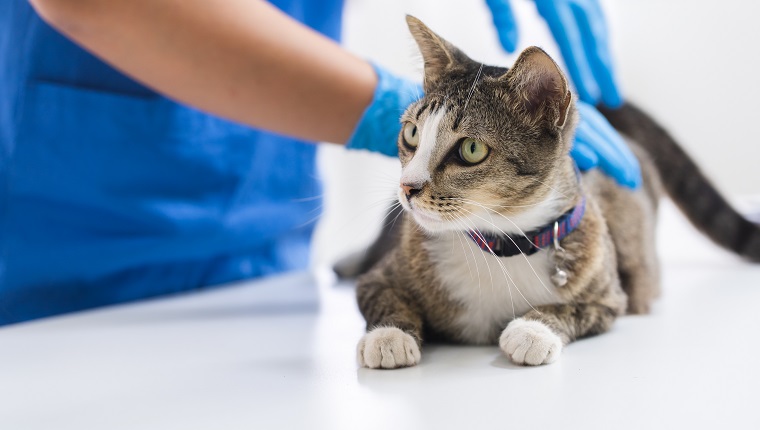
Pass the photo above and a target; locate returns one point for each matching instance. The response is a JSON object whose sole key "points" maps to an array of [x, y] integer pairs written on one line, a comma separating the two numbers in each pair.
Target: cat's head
{"points": [[484, 141]]}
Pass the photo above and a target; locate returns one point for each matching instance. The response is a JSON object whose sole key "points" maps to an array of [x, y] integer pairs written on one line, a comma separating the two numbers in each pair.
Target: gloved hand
{"points": [[580, 30], [379, 125], [504, 22], [597, 144]]}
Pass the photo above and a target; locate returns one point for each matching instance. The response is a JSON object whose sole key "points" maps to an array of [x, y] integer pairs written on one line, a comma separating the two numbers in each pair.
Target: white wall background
{"points": [[692, 64]]}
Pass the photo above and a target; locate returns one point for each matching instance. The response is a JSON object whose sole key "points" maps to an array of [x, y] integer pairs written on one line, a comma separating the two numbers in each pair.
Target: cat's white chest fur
{"points": [[492, 290]]}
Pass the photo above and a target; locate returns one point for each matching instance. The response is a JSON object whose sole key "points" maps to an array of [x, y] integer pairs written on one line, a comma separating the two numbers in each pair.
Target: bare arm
{"points": [[243, 60]]}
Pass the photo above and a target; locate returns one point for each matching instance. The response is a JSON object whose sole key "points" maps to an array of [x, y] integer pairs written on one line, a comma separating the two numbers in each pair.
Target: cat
{"points": [[502, 240]]}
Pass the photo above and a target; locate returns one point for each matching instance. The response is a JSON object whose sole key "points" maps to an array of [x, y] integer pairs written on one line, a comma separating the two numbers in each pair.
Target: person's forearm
{"points": [[240, 59]]}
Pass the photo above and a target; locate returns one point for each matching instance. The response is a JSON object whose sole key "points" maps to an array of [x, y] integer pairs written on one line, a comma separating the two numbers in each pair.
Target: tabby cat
{"points": [[502, 240]]}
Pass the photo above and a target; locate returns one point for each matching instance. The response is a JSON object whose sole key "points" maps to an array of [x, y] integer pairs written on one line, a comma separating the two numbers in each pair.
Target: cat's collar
{"points": [[507, 245]]}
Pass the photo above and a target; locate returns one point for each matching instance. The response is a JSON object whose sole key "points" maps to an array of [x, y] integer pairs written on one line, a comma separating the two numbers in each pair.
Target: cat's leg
{"points": [[632, 227], [590, 301], [538, 336], [394, 325], [631, 217], [639, 273]]}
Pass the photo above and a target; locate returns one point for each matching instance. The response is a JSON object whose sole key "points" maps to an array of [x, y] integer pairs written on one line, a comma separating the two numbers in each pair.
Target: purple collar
{"points": [[506, 245]]}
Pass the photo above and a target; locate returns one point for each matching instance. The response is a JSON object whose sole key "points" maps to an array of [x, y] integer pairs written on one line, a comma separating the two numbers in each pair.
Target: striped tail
{"points": [[689, 188]]}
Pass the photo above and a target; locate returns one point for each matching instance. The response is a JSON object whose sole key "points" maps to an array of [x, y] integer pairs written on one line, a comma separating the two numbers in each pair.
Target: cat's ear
{"points": [[437, 53], [538, 89]]}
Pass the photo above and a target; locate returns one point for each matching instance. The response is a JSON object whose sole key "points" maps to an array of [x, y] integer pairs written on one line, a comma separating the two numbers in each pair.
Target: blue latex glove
{"points": [[597, 144], [379, 125], [580, 30], [504, 22]]}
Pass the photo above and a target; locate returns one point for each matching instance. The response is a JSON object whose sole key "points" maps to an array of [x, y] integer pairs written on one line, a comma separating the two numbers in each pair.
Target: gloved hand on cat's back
{"points": [[580, 30], [597, 144]]}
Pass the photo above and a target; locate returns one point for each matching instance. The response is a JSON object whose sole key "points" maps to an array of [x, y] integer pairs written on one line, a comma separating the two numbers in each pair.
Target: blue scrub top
{"points": [[110, 192]]}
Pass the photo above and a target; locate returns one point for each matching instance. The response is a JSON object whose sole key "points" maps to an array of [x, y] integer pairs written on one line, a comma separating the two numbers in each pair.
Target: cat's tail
{"points": [[689, 188]]}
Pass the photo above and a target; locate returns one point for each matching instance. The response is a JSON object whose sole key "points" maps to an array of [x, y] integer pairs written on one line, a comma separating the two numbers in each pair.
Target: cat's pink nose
{"points": [[410, 189]]}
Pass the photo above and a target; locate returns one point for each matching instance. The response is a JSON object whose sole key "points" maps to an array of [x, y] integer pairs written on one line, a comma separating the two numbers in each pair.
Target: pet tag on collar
{"points": [[559, 278]]}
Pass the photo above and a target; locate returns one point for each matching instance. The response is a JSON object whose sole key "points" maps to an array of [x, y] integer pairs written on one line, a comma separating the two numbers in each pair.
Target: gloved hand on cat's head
{"points": [[580, 30], [596, 144], [379, 125]]}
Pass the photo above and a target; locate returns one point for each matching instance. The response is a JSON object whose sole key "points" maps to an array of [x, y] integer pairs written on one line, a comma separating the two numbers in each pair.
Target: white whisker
{"points": [[480, 288], [472, 89], [390, 211], [551, 188], [505, 272], [459, 199], [468, 260], [519, 230], [512, 240], [490, 273]]}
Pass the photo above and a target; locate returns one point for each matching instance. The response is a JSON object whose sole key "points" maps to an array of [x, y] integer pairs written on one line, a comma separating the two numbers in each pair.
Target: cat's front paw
{"points": [[387, 348], [530, 342]]}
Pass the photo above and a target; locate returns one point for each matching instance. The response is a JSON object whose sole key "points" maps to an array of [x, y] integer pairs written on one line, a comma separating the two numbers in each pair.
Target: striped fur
{"points": [[429, 280]]}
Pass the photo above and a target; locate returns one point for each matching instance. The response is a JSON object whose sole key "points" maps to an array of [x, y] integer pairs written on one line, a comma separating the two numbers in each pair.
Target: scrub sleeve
{"points": [[110, 192]]}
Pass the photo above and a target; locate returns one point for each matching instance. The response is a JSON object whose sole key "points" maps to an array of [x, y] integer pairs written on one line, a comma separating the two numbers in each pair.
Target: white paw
{"points": [[530, 342], [387, 348]]}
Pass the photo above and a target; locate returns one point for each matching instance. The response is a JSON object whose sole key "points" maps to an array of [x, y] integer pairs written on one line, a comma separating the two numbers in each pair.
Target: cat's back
{"points": [[623, 208]]}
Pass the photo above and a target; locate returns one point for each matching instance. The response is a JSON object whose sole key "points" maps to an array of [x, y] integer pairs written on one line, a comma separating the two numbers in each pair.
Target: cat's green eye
{"points": [[411, 135], [473, 151]]}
